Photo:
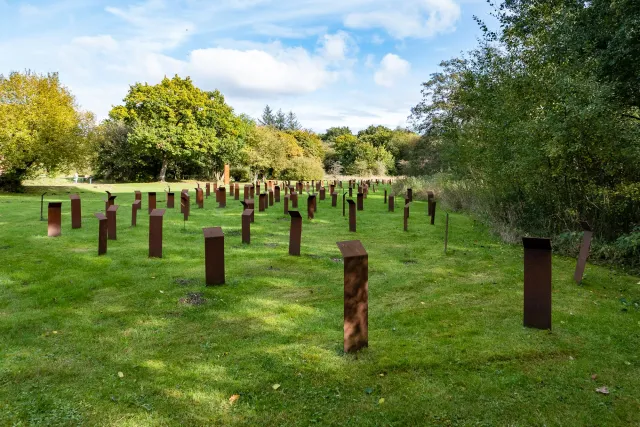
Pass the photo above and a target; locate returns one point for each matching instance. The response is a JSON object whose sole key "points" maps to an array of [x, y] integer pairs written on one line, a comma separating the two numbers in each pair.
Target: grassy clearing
{"points": [[446, 340]]}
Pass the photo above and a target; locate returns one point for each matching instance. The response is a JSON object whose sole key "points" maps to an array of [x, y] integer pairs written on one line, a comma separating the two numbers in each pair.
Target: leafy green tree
{"points": [[310, 143], [268, 151], [378, 136], [332, 133]]}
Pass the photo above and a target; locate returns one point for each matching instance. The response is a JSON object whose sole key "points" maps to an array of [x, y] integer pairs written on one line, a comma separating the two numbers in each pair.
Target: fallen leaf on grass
{"points": [[233, 398], [602, 390], [275, 386], [594, 377], [120, 374], [381, 401]]}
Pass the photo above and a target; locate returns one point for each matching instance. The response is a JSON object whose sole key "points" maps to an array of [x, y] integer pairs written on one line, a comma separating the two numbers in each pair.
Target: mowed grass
{"points": [[446, 341]]}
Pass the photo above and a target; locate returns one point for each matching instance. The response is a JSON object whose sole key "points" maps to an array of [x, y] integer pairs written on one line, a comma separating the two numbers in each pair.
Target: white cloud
{"points": [[418, 19], [104, 42], [336, 47], [392, 68]]}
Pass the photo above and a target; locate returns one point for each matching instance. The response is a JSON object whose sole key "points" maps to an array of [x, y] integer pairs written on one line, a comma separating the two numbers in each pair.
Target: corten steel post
{"points": [[182, 204], [231, 187], [584, 252], [407, 201], [334, 199], [152, 202], [356, 295], [207, 187], [332, 188], [392, 205], [155, 233], [262, 201], [410, 194], [276, 193], [185, 204], [102, 233], [406, 216], [295, 233], [352, 216], [109, 201], [430, 197], [433, 213], [294, 200], [76, 211], [214, 256], [54, 219], [112, 224], [246, 192], [446, 234], [350, 191], [537, 283], [226, 174], [134, 212], [310, 206], [246, 225], [236, 193], [222, 197], [360, 201], [344, 198], [286, 204], [252, 190], [270, 197], [323, 193], [286, 190], [199, 198], [315, 204], [171, 200], [139, 197], [385, 196]]}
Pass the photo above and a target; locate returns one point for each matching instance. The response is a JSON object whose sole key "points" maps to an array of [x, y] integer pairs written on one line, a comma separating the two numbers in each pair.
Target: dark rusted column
{"points": [[294, 200], [295, 233], [102, 232], [155, 233], [360, 201], [171, 200], [262, 201], [246, 192], [334, 199], [251, 204], [199, 198], [183, 192], [215, 190], [385, 196], [185, 204], [310, 208], [54, 219], [350, 192], [392, 205], [152, 201], [286, 204], [352, 216], [111, 222], [222, 197], [139, 197], [134, 212], [213, 256], [407, 201], [323, 193], [247, 214], [584, 252], [433, 212], [231, 187], [356, 295], [109, 201], [236, 194], [406, 216], [270, 197], [537, 283], [76, 211], [207, 187], [410, 194], [277, 193], [430, 197], [332, 188], [252, 192]]}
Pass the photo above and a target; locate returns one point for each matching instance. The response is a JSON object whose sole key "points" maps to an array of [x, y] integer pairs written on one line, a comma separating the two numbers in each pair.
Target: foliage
{"points": [[280, 120], [268, 151], [332, 133], [310, 143], [41, 127], [361, 158], [303, 168]]}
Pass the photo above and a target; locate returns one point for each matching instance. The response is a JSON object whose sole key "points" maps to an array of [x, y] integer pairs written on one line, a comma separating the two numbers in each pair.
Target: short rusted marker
{"points": [[262, 202], [246, 225], [295, 233], [323, 193], [356, 295], [222, 197], [155, 233], [152, 201], [270, 197], [392, 204], [213, 256], [294, 200], [352, 216], [134, 212], [406, 216], [171, 200], [112, 222], [102, 233], [138, 197], [360, 201], [276, 193], [76, 211], [433, 212], [286, 204], [584, 252], [236, 194], [199, 198], [185, 205], [54, 219], [537, 282], [334, 199], [311, 200], [410, 194], [207, 187]]}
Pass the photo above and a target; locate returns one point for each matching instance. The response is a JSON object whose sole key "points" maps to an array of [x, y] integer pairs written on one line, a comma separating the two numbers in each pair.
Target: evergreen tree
{"points": [[280, 121], [292, 121], [267, 117]]}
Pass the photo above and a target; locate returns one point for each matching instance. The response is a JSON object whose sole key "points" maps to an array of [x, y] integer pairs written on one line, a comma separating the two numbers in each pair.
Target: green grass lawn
{"points": [[446, 341]]}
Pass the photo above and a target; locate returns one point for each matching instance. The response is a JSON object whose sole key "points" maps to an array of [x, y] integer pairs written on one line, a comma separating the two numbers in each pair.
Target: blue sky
{"points": [[333, 62]]}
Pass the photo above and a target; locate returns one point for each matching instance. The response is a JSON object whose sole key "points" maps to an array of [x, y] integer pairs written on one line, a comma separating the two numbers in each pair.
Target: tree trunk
{"points": [[163, 169]]}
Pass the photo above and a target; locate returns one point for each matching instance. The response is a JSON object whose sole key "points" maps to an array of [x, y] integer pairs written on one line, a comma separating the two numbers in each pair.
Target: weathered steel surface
{"points": [[222, 197], [286, 204], [537, 283], [270, 197], [112, 223], [185, 205], [247, 215], [155, 233], [356, 295], [334, 199], [76, 211], [103, 229], [214, 256], [410, 194], [352, 216], [199, 198], [433, 212], [152, 201], [311, 200], [134, 212], [360, 201], [295, 233], [54, 219], [584, 253], [406, 216]]}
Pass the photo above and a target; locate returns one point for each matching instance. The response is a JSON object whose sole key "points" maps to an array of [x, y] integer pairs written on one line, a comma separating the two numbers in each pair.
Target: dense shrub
{"points": [[303, 168], [240, 174]]}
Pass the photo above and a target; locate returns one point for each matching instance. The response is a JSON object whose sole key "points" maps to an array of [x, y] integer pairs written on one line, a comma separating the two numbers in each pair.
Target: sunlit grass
{"points": [[446, 342]]}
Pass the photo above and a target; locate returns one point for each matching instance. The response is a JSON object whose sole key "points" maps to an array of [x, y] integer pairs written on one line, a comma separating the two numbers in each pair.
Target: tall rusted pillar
{"points": [[270, 197], [171, 200], [134, 212], [152, 201], [214, 255], [246, 191], [155, 233], [199, 198], [392, 205], [262, 202], [294, 200], [584, 252], [222, 197], [334, 199], [410, 194], [227, 174], [537, 282], [207, 187], [76, 211], [295, 233], [109, 201], [185, 205], [246, 225], [406, 216], [276, 193], [139, 197], [352, 216], [360, 201], [112, 223], [54, 219], [236, 194], [286, 204], [103, 229], [356, 295], [323, 193], [433, 212], [310, 206], [252, 192]]}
